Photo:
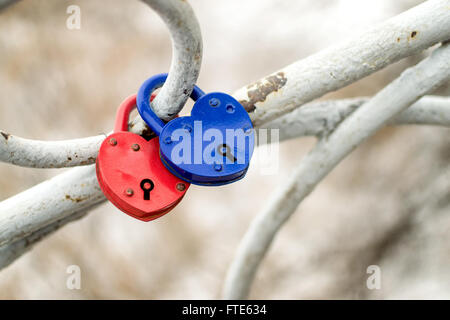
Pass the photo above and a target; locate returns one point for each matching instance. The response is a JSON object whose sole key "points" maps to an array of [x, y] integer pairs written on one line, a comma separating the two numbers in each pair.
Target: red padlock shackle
{"points": [[123, 113]]}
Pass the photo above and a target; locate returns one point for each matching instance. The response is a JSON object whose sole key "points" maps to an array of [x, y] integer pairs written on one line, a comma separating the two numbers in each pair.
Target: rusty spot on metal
{"points": [[5, 135], [89, 160], [413, 35], [259, 91], [76, 200]]}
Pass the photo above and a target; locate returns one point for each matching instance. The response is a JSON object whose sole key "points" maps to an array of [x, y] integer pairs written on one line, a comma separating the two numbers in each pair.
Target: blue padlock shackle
{"points": [[143, 101]]}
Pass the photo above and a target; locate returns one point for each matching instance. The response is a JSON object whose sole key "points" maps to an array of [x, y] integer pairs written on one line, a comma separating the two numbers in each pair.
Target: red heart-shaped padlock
{"points": [[131, 174]]}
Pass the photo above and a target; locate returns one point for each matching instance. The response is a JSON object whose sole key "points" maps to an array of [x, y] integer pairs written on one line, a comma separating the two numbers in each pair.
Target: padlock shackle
{"points": [[123, 113], [143, 101]]}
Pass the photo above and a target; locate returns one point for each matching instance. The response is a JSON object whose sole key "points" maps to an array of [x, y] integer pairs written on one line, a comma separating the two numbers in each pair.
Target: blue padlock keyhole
{"points": [[212, 146]]}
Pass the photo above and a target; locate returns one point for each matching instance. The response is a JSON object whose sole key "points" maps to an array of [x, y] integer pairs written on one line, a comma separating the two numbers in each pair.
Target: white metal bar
{"points": [[320, 118], [331, 69], [328, 152], [48, 154], [187, 51], [11, 252], [52, 200]]}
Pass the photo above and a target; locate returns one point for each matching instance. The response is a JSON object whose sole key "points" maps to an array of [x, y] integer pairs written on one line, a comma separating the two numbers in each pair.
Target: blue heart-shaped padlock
{"points": [[212, 146]]}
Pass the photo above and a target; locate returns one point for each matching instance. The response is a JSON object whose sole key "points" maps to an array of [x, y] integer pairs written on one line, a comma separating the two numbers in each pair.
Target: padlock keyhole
{"points": [[147, 185], [225, 150]]}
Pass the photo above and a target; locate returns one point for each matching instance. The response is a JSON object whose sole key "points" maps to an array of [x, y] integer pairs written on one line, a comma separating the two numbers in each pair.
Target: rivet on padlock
{"points": [[131, 174], [219, 134]]}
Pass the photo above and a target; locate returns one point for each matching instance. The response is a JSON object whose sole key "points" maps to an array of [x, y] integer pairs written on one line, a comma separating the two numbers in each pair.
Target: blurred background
{"points": [[387, 204]]}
